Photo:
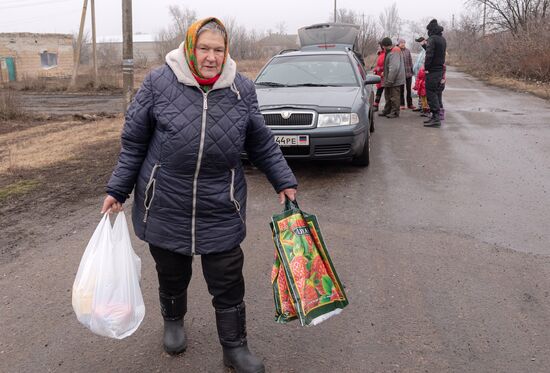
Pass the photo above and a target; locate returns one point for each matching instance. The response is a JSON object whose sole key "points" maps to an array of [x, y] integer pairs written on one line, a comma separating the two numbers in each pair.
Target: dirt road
{"points": [[72, 103], [442, 244]]}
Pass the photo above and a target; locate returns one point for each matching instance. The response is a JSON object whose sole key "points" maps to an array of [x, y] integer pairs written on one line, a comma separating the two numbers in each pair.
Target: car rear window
{"points": [[330, 70]]}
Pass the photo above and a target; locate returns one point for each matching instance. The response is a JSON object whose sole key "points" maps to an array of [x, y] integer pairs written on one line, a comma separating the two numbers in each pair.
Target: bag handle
{"points": [[291, 205]]}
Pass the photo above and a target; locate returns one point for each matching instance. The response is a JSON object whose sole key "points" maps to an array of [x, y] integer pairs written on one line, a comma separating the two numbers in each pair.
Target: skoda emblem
{"points": [[286, 114]]}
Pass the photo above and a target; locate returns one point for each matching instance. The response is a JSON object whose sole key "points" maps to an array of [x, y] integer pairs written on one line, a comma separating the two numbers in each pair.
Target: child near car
{"points": [[420, 88]]}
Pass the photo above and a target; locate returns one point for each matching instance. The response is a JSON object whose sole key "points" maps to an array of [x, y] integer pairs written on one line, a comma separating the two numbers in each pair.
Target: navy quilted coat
{"points": [[181, 154]]}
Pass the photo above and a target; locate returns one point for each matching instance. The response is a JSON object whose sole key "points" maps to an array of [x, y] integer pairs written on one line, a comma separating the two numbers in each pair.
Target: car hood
{"points": [[307, 97]]}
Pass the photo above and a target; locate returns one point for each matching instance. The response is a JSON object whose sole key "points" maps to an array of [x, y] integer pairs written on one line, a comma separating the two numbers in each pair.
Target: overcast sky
{"points": [[63, 16]]}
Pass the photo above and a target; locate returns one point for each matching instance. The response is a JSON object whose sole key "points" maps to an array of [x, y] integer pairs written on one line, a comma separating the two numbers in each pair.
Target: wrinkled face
{"points": [[402, 45], [210, 53]]}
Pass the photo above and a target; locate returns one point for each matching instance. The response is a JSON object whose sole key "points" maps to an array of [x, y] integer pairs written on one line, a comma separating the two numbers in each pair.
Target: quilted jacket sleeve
{"points": [[136, 133], [262, 149]]}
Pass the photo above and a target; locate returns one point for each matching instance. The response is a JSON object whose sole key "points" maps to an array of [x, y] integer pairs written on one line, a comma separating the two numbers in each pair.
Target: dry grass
{"points": [[46, 144], [18, 188], [52, 143], [518, 61], [538, 89], [110, 78], [250, 68], [10, 107]]}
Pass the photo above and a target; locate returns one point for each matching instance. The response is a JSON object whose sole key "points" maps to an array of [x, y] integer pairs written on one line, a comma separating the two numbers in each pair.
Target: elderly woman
{"points": [[181, 154]]}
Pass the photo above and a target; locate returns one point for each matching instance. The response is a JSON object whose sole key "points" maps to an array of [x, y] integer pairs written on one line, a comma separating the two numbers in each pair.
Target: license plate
{"points": [[299, 140]]}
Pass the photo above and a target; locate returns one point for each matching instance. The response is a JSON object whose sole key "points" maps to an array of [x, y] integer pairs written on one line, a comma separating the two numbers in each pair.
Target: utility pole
{"points": [[127, 53], [484, 15], [334, 11], [72, 84], [94, 54]]}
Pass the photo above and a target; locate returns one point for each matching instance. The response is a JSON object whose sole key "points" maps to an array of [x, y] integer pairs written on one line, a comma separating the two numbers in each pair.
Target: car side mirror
{"points": [[372, 79]]}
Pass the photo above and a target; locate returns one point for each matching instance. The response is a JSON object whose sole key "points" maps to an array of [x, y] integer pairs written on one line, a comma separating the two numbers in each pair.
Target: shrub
{"points": [[10, 105], [523, 55]]}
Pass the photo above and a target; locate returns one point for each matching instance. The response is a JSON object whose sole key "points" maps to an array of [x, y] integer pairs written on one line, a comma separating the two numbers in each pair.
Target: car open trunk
{"points": [[322, 34]]}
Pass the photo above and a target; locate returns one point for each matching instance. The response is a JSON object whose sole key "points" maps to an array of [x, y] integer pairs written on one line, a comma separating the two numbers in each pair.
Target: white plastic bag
{"points": [[106, 294]]}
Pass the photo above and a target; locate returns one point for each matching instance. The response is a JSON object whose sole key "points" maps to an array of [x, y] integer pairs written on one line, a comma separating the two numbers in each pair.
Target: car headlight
{"points": [[330, 120]]}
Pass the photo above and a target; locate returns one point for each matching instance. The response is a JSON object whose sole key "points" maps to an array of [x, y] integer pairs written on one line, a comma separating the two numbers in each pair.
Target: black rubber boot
{"points": [[173, 309], [431, 118], [231, 324], [434, 121]]}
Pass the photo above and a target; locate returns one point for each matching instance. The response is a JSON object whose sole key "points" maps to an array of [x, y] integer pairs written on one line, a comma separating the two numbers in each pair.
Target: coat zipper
{"points": [[232, 195], [151, 184], [197, 170]]}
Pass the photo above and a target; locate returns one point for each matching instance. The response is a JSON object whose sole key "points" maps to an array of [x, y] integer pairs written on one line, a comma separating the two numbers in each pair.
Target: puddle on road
{"points": [[489, 110]]}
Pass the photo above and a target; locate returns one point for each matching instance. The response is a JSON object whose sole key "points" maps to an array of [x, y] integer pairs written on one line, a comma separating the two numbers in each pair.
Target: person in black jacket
{"points": [[433, 65], [181, 151]]}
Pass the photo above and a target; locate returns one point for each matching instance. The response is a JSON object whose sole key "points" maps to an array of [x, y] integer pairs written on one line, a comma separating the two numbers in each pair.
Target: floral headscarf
{"points": [[189, 49]]}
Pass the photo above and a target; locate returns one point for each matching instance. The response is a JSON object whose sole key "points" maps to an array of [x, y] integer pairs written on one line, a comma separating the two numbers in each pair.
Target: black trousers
{"points": [[434, 90], [222, 272], [408, 83], [378, 96]]}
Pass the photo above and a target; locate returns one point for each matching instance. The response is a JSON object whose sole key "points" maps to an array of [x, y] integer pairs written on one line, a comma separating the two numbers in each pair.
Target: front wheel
{"points": [[363, 159], [371, 120], [371, 113]]}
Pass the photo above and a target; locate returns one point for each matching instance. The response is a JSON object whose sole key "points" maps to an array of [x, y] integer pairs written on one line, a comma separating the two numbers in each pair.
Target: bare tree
{"points": [[170, 37], [182, 18], [390, 21], [512, 53], [281, 27], [369, 35], [344, 15], [109, 54], [85, 50], [515, 15], [465, 36], [243, 44]]}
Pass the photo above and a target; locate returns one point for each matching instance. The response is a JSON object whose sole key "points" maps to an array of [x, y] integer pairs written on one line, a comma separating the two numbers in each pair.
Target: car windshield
{"points": [[318, 70]]}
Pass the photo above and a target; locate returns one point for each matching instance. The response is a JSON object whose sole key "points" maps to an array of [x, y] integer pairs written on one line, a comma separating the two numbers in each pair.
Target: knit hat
{"points": [[401, 40], [432, 25], [434, 28], [386, 42], [419, 39]]}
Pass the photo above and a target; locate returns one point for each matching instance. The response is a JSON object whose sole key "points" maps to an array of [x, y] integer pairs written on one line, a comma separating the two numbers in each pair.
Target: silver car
{"points": [[318, 100]]}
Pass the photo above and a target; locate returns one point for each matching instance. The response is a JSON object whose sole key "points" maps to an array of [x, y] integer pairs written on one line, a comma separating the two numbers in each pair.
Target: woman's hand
{"points": [[110, 203], [289, 192]]}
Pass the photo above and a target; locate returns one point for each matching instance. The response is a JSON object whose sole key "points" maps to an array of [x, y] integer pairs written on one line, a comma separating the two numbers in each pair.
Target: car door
{"points": [[366, 90]]}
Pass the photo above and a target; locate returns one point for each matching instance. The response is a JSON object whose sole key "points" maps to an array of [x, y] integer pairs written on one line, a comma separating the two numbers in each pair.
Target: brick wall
{"points": [[27, 47]]}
